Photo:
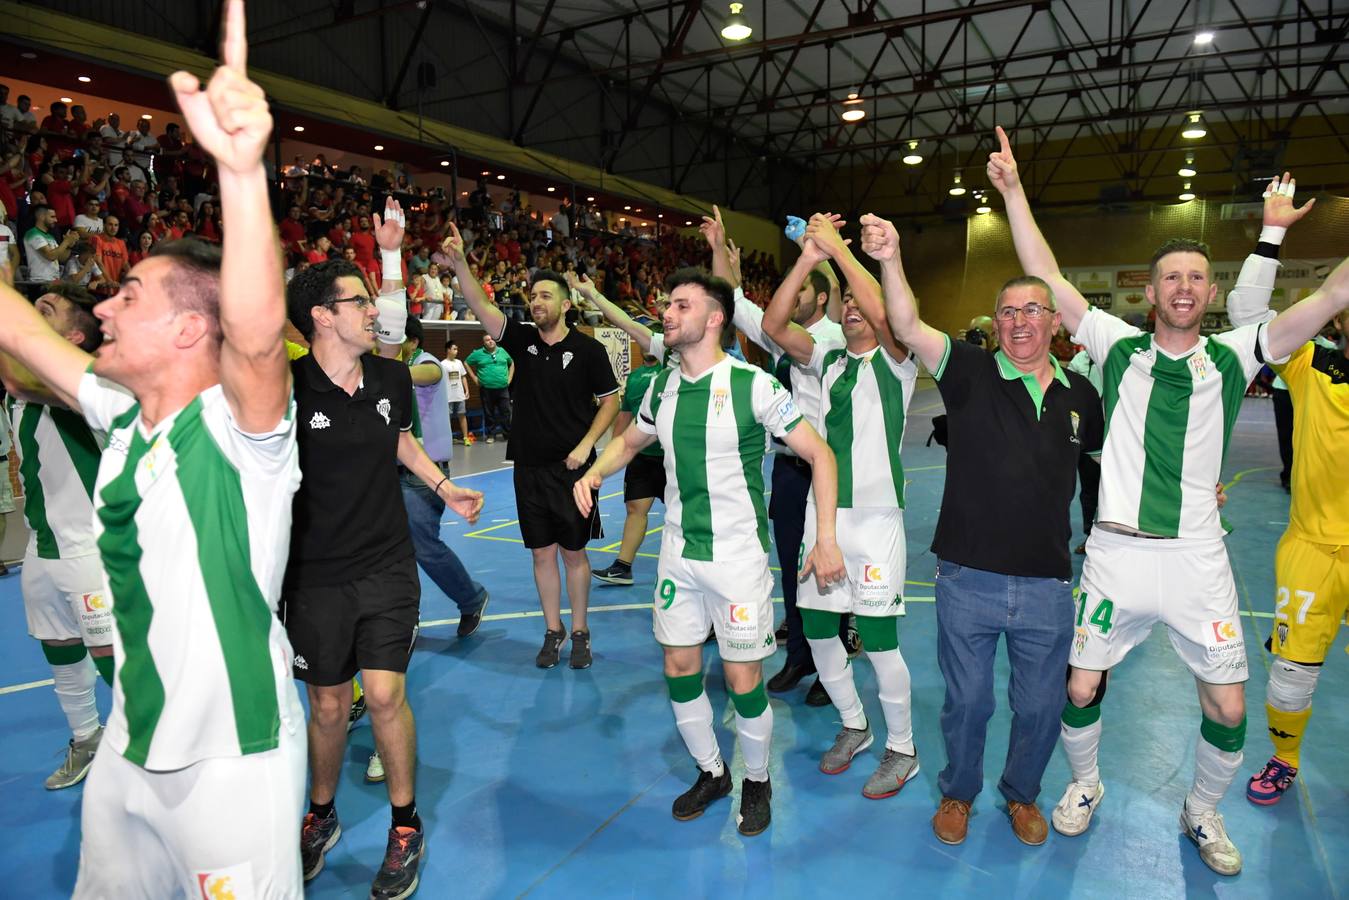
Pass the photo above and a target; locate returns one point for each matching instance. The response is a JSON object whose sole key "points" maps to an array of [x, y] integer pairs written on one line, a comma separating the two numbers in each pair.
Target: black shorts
{"points": [[643, 478], [547, 508], [369, 623]]}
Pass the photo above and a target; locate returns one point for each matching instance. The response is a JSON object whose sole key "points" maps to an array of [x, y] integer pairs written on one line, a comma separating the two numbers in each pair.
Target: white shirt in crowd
{"points": [[73, 266], [457, 388], [89, 224], [41, 269], [6, 241], [435, 291], [113, 141], [10, 115]]}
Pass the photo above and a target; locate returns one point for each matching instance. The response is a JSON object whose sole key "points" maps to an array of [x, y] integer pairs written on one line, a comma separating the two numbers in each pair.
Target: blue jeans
{"points": [[434, 555], [974, 607]]}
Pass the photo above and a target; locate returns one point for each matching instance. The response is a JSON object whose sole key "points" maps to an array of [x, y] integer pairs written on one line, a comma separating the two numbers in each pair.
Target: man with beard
{"points": [[1157, 552], [712, 415], [560, 376]]}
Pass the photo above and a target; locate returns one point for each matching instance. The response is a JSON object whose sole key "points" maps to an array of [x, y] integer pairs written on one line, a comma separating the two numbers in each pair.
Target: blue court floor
{"points": [[559, 783]]}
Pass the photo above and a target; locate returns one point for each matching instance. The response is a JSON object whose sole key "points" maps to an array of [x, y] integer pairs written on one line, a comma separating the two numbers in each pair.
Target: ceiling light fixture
{"points": [[66, 100], [444, 162], [590, 199], [1186, 195], [551, 189], [501, 178], [686, 222], [983, 209], [1194, 126], [1203, 38], [1188, 170], [627, 208], [913, 157], [736, 27], [379, 146], [957, 189], [854, 111], [84, 79], [484, 173], [299, 128]]}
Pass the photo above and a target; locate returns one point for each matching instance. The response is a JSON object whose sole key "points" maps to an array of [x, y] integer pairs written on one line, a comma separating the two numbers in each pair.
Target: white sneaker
{"points": [[1073, 813], [374, 770], [1210, 836]]}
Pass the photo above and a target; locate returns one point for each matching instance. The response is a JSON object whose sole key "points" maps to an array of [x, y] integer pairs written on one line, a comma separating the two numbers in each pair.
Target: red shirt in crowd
{"points": [[135, 210], [60, 198], [364, 244], [292, 232], [208, 231]]}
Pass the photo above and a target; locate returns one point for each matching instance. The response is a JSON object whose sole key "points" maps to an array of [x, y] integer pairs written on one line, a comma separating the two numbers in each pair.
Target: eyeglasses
{"points": [[1032, 311], [361, 303]]}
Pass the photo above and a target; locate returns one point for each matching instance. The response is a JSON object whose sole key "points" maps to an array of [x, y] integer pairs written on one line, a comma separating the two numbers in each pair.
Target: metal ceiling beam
{"points": [[391, 100]]}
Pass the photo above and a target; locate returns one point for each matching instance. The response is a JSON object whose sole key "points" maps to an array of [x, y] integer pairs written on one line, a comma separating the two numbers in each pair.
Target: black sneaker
{"points": [[317, 837], [580, 650], [817, 695], [615, 574], [398, 877], [852, 639], [356, 713], [756, 810], [781, 634], [705, 791], [551, 651], [469, 622]]}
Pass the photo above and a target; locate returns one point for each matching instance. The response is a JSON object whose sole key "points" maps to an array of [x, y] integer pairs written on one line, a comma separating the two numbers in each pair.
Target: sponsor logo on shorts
{"points": [[319, 421], [1224, 631], [872, 574], [742, 624], [93, 602], [301, 663], [233, 883], [1224, 645]]}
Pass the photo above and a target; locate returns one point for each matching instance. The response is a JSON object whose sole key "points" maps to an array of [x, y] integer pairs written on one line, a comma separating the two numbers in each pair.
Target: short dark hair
{"points": [[413, 329], [315, 286], [37, 210], [1026, 281], [83, 303], [550, 275], [818, 283], [719, 289], [1178, 245], [193, 282]]}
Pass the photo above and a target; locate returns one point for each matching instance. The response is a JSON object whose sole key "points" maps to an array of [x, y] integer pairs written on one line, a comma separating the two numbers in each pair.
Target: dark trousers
{"points": [[787, 509], [1089, 481], [496, 410], [1283, 423], [974, 609]]}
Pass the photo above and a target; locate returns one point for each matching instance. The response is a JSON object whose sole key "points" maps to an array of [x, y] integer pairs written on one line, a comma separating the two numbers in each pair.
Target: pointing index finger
{"points": [[1002, 139], [234, 45]]}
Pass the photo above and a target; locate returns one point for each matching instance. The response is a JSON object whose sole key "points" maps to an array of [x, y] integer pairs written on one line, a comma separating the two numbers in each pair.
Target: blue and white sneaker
{"points": [[1210, 836], [1073, 813]]}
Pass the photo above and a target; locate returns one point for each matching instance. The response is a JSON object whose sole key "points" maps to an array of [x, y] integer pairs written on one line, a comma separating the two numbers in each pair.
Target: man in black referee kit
{"points": [[351, 593], [560, 376]]}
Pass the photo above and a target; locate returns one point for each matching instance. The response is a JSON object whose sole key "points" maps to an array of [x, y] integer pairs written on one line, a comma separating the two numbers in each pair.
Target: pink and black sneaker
{"points": [[1268, 787]]}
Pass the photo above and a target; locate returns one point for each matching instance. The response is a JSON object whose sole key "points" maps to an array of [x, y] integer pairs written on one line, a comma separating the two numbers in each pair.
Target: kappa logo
{"points": [[301, 663], [1280, 734], [566, 358], [383, 407], [319, 421], [94, 602], [1224, 631]]}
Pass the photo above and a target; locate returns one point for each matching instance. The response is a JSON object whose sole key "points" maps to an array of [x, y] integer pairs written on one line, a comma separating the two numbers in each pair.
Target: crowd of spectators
{"points": [[84, 200]]}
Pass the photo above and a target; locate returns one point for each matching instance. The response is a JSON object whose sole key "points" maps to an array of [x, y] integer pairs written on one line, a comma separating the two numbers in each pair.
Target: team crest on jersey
{"points": [[301, 663], [1199, 365], [1282, 628], [567, 358], [319, 421], [719, 398], [533, 349], [1077, 422], [1079, 640], [233, 883], [383, 407]]}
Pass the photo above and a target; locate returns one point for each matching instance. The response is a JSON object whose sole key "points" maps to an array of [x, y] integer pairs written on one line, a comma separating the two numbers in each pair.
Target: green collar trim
{"points": [[1011, 373]]}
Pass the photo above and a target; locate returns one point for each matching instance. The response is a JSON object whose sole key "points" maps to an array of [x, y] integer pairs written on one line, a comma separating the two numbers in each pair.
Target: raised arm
{"points": [[866, 290], [880, 241], [715, 232], [230, 119], [36, 363], [489, 314], [1031, 247], [777, 322], [1248, 301], [1300, 322], [613, 314], [389, 233]]}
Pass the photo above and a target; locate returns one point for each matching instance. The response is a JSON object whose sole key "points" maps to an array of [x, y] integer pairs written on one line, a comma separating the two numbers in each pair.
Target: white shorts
{"points": [[1130, 583], [734, 598], [64, 600], [872, 541], [223, 827]]}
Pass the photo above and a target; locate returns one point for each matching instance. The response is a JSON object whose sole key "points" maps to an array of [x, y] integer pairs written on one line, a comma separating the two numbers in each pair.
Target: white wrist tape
{"points": [[393, 263], [1272, 234]]}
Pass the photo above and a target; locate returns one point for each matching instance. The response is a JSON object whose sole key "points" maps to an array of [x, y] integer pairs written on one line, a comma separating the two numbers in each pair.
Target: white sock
{"points": [[1081, 746], [756, 741], [694, 720], [892, 676], [1214, 771], [75, 693], [831, 661]]}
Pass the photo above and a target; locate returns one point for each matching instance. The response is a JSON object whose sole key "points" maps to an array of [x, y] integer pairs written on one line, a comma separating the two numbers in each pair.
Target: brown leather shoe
{"points": [[951, 821], [1027, 823]]}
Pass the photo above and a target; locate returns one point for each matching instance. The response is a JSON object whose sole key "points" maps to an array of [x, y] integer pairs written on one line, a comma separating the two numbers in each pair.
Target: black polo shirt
{"points": [[553, 392], [348, 515], [1011, 467]]}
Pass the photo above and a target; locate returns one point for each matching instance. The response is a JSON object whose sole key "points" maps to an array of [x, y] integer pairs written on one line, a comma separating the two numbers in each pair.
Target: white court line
{"points": [[533, 614]]}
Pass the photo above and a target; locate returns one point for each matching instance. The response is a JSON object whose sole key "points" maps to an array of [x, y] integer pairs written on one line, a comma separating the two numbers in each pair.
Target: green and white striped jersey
{"points": [[1168, 421], [714, 430], [865, 404], [192, 521], [58, 463]]}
